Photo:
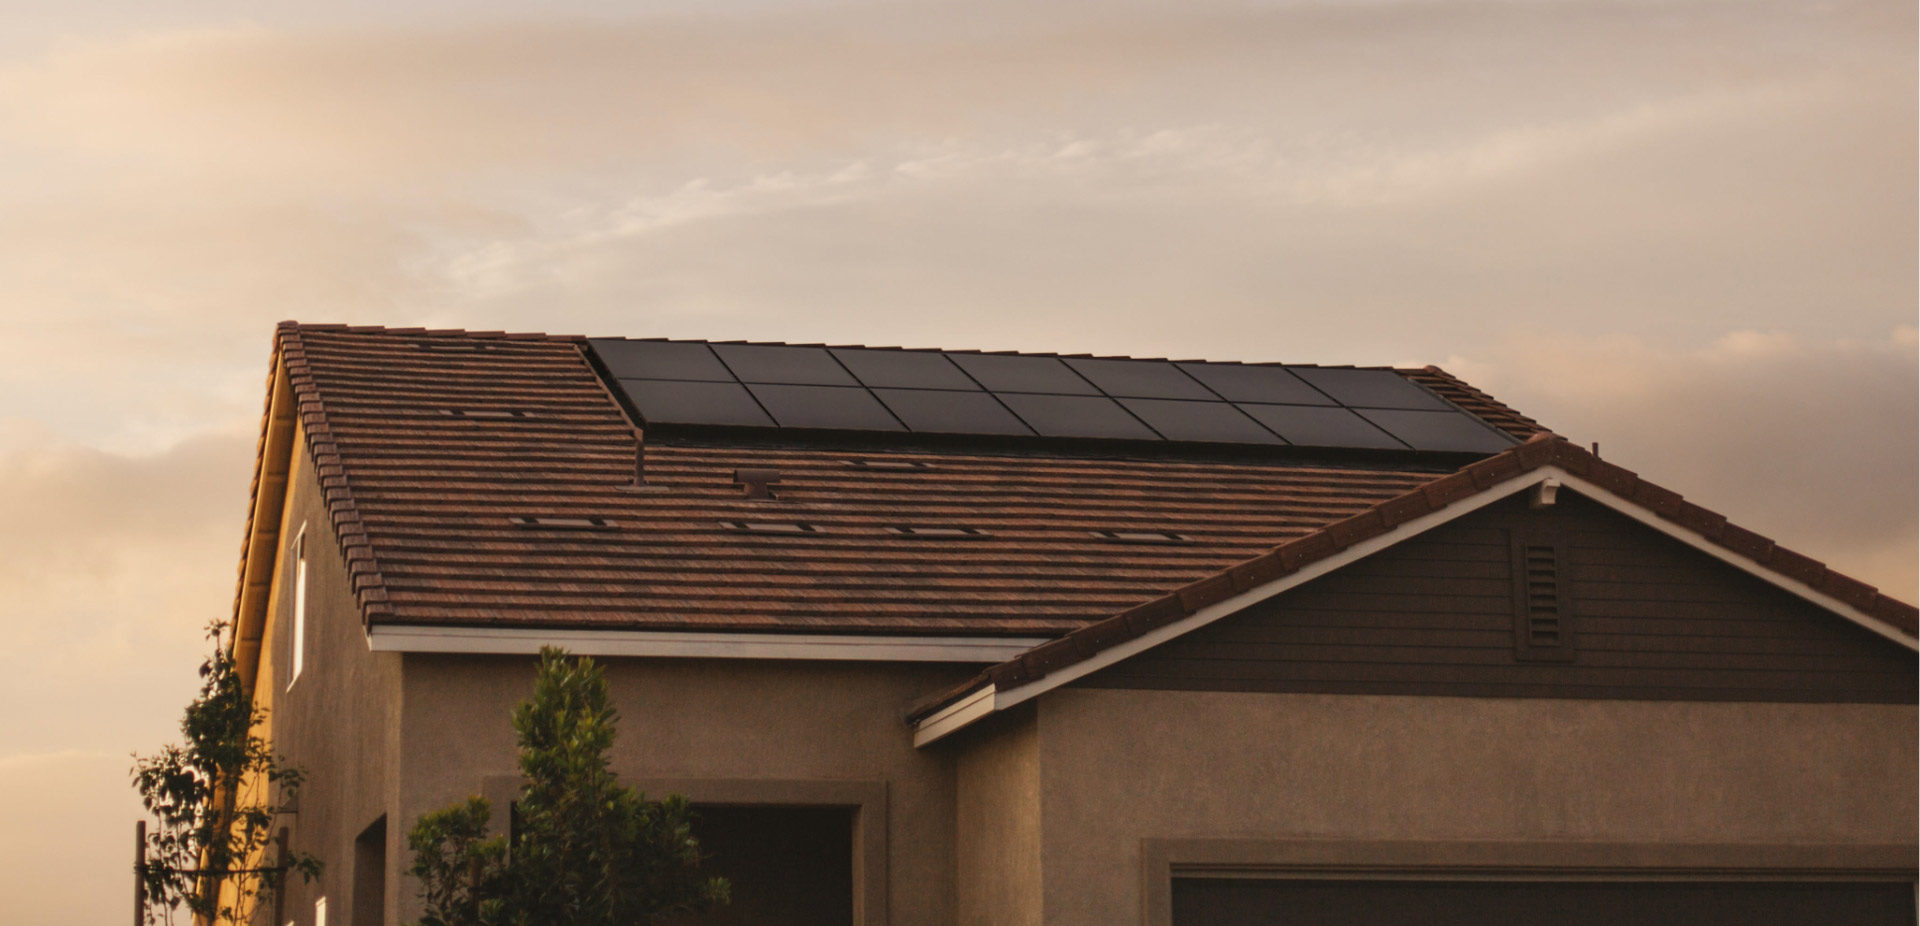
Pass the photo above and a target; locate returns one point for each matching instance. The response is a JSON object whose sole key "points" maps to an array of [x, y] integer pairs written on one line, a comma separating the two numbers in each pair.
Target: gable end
{"points": [[1573, 600]]}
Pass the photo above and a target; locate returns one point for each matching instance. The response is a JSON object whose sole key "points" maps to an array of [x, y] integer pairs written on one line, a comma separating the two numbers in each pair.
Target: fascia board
{"points": [[955, 716], [397, 638]]}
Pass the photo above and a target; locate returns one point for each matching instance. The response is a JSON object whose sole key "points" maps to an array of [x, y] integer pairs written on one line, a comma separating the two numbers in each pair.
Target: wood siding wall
{"points": [[1649, 618]]}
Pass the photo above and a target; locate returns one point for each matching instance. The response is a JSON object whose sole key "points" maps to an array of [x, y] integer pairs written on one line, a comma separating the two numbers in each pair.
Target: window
{"points": [[298, 630]]}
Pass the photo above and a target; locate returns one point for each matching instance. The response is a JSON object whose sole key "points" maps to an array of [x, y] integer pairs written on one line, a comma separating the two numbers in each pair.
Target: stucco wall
{"points": [[780, 721], [340, 719], [998, 838], [1118, 767]]}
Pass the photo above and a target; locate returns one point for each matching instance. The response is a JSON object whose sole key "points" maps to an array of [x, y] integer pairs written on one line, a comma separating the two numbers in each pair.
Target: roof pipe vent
{"points": [[757, 483]]}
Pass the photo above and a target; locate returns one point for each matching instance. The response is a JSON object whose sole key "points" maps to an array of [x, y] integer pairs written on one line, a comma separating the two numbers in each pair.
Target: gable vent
{"points": [[1542, 618]]}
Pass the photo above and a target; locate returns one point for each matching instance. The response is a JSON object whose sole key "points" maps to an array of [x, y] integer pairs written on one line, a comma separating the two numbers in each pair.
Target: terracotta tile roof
{"points": [[431, 446], [436, 449], [1542, 450]]}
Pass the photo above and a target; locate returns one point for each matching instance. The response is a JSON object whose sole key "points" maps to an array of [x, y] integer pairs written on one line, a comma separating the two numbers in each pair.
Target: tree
{"points": [[585, 850], [213, 799]]}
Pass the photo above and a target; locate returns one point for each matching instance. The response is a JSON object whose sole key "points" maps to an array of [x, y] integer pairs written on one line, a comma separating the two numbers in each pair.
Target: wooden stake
{"points": [[140, 873]]}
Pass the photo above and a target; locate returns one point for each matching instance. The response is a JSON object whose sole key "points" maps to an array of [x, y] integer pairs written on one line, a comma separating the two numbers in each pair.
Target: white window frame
{"points": [[297, 627], [320, 912]]}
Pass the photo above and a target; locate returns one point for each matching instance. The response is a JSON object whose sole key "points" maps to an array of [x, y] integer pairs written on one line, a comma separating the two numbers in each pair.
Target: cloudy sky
{"points": [[1684, 229]]}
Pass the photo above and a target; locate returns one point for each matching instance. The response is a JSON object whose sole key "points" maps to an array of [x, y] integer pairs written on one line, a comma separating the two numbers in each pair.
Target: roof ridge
{"points": [[356, 548], [334, 327], [1543, 449]]}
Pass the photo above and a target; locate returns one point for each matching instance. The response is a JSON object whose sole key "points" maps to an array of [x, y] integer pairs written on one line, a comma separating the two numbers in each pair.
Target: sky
{"points": [[1684, 229]]}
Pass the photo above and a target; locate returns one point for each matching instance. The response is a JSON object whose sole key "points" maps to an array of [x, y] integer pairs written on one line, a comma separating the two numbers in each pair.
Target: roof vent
{"points": [[899, 465], [770, 527], [455, 347], [1143, 536], [937, 531], [586, 523], [757, 483], [486, 413]]}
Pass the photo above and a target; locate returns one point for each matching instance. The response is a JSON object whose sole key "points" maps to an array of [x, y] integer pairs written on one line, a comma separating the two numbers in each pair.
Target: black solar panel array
{"points": [[933, 392]]}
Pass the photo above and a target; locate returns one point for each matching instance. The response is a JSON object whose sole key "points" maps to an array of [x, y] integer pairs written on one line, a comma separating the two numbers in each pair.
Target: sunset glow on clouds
{"points": [[1685, 230]]}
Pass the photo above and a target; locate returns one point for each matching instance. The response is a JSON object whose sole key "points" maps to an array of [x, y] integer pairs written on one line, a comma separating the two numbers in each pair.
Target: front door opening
{"points": [[789, 866]]}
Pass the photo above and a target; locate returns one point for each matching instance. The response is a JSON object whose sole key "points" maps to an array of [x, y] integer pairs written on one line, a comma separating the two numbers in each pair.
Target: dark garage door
{"points": [[1289, 902]]}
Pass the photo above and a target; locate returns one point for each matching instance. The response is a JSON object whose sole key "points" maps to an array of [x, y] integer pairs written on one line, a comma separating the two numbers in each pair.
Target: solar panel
{"points": [[1448, 430], [1007, 373], [929, 411], [837, 407], [904, 369], [661, 360], [1207, 422], [663, 401], [1243, 383], [765, 363], [1145, 379], [932, 392], [1308, 426], [1369, 388], [1076, 416]]}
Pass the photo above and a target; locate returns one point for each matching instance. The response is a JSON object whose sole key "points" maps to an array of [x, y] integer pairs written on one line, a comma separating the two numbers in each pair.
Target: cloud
{"points": [[112, 564], [67, 816], [1813, 443]]}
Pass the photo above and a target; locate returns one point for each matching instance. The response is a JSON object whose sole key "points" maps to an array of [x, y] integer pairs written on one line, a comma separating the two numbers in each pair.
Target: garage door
{"points": [[1290, 902]]}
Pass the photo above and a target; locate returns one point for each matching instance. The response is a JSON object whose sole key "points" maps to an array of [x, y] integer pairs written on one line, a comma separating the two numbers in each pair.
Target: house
{"points": [[965, 638]]}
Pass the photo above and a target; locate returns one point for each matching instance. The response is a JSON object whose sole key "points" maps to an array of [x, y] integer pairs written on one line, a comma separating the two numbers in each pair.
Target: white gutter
{"points": [[387, 638]]}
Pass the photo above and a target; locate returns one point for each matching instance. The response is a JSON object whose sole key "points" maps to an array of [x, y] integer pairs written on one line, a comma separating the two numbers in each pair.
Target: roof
{"points": [[482, 479], [1543, 457]]}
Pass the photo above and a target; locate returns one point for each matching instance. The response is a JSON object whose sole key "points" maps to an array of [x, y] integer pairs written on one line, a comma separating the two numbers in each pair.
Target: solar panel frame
{"points": [[779, 364], [666, 401], [1213, 422], [1012, 373], [835, 408], [1259, 383], [1358, 388], [1140, 379], [1082, 416], [916, 409], [904, 369], [671, 360], [1321, 426], [1441, 432]]}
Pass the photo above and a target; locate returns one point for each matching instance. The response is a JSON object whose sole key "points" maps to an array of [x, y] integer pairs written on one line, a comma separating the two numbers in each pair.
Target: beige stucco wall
{"points": [[778, 721], [1117, 767], [998, 838], [339, 721]]}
